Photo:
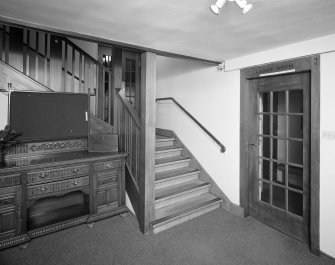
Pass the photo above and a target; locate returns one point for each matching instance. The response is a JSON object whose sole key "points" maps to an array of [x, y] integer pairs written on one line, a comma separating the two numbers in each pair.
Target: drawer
{"points": [[108, 178], [52, 174], [9, 180], [106, 165], [58, 186]]}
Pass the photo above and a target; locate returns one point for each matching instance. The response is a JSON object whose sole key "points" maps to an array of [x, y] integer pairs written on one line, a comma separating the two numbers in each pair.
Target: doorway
{"points": [[279, 152], [279, 135]]}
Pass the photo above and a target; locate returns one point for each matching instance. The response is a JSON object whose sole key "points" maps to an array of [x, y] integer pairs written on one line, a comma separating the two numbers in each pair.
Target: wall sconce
{"points": [[243, 4]]}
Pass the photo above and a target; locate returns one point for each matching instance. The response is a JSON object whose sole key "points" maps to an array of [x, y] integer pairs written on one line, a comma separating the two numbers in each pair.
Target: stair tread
{"points": [[182, 207], [174, 173], [168, 148], [171, 159], [179, 188], [160, 138]]}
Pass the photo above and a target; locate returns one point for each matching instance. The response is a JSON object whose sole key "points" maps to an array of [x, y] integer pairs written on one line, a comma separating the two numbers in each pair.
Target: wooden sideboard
{"points": [[46, 187]]}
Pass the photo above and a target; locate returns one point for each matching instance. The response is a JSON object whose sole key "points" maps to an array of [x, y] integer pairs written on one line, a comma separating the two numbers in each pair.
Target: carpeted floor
{"points": [[215, 238]]}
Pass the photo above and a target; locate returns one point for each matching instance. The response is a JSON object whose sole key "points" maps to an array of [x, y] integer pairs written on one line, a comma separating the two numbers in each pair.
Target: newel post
{"points": [[147, 139]]}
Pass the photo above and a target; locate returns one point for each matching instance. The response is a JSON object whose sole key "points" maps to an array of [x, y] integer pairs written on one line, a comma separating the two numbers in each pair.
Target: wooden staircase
{"points": [[180, 192]]}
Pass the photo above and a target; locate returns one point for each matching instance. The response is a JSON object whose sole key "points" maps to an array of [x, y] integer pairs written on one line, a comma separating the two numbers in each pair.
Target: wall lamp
{"points": [[243, 4]]}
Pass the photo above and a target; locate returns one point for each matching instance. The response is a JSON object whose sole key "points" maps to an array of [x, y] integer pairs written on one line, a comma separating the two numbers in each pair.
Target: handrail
{"points": [[129, 108], [222, 147], [87, 55]]}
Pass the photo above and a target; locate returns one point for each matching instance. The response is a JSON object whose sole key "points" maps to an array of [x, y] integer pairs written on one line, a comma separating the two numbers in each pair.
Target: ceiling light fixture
{"points": [[244, 6], [241, 3], [218, 5]]}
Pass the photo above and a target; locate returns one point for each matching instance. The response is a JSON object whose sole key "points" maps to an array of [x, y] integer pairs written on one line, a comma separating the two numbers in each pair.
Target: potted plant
{"points": [[7, 137]]}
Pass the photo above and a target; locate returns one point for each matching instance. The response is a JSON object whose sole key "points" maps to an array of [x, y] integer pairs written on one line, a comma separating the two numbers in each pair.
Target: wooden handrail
{"points": [[129, 108], [86, 55], [222, 147]]}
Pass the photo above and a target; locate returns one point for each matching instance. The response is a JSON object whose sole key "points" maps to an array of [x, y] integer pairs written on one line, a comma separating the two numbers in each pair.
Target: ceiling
{"points": [[186, 27]]}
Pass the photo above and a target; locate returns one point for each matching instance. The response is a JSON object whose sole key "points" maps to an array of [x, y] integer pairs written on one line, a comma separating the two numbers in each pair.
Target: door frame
{"points": [[309, 63]]}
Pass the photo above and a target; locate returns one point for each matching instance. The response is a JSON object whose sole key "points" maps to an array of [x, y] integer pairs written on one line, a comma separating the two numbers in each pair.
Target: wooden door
{"points": [[279, 152]]}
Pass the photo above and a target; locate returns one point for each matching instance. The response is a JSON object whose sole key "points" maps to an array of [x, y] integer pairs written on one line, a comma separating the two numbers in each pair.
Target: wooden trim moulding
{"points": [[99, 40]]}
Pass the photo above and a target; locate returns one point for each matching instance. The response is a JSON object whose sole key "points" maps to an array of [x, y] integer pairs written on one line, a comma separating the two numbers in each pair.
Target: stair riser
{"points": [[163, 226], [180, 197], [168, 154], [164, 143], [171, 166], [176, 180]]}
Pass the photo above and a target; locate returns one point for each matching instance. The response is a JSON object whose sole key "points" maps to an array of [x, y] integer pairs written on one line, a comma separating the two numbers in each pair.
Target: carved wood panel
{"points": [[9, 180], [10, 212], [47, 147]]}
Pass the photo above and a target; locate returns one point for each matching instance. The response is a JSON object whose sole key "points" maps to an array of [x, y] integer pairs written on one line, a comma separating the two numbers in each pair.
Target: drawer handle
{"points": [[44, 188], [109, 164], [75, 170], [76, 182], [43, 175]]}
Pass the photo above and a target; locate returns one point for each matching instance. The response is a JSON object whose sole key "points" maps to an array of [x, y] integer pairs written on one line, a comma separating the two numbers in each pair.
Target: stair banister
{"points": [[222, 147]]}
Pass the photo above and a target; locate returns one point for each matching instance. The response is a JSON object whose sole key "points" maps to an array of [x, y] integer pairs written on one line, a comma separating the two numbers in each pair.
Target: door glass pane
{"points": [[279, 149], [295, 152], [278, 173], [264, 124], [278, 197], [295, 202], [296, 101], [295, 126], [264, 191], [279, 125], [264, 102], [264, 169], [295, 177], [279, 101], [264, 147]]}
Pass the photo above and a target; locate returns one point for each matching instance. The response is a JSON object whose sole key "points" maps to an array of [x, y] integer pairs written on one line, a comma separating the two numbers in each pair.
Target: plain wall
{"points": [[327, 154], [212, 96], [3, 110], [89, 47]]}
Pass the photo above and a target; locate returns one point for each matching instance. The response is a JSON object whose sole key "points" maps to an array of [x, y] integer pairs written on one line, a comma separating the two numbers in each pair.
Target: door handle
{"points": [[253, 145]]}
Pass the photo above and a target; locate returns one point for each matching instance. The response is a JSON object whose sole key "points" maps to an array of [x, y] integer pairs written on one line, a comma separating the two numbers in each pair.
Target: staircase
{"points": [[181, 193]]}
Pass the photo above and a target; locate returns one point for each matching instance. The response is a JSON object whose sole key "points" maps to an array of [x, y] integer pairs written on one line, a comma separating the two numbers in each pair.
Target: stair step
{"points": [[175, 214], [180, 192], [173, 177], [171, 163], [164, 141], [168, 151]]}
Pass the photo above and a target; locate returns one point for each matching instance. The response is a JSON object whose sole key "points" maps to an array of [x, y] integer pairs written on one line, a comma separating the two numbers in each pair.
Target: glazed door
{"points": [[279, 144], [131, 78]]}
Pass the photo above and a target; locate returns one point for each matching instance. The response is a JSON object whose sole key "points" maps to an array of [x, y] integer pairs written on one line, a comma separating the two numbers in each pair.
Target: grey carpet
{"points": [[215, 238]]}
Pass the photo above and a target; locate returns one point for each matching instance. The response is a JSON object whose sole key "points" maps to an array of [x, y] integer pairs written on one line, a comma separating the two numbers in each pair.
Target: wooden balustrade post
{"points": [[56, 72], [147, 139], [117, 82]]}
